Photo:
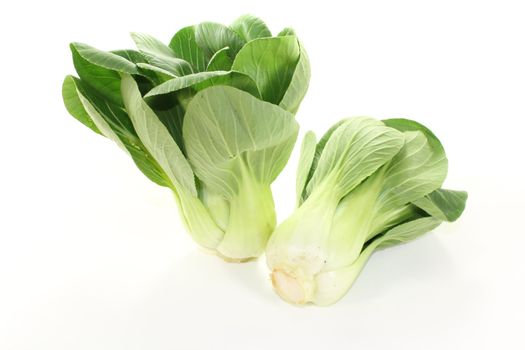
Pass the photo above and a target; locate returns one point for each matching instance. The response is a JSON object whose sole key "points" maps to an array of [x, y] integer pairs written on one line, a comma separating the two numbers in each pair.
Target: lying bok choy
{"points": [[210, 116], [365, 185]]}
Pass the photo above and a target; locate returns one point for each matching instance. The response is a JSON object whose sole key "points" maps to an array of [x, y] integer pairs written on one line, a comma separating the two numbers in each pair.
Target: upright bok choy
{"points": [[210, 116], [366, 185]]}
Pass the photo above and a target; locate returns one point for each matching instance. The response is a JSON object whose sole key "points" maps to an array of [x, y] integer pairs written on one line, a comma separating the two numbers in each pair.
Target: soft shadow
{"points": [[202, 275], [252, 275], [402, 266]]}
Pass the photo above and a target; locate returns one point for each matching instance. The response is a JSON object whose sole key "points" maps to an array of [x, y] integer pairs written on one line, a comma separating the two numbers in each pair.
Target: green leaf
{"points": [[250, 28], [198, 221], [226, 130], [74, 105], [220, 60], [185, 46], [180, 83], [286, 32], [271, 63], [114, 115], [104, 59], [355, 150], [446, 205], [234, 79], [200, 81], [419, 168], [211, 37], [156, 138], [147, 164], [130, 55], [383, 199], [138, 59], [114, 123], [101, 122], [318, 151], [269, 163], [172, 119], [305, 163], [145, 78], [298, 85], [160, 75], [161, 55], [104, 81], [407, 232], [402, 124]]}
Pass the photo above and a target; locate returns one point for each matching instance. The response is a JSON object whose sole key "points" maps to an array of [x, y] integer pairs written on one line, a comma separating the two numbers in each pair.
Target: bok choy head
{"points": [[210, 116], [366, 185]]}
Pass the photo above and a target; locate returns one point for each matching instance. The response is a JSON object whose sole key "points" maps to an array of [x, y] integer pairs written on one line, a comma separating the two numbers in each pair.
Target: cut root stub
{"points": [[288, 287]]}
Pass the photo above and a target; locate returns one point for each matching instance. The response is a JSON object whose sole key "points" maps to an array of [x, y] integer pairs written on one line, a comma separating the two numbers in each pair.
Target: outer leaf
{"points": [[407, 232], [402, 124], [211, 37], [356, 149], [139, 60], [115, 124], [180, 83], [203, 80], [268, 164], [250, 28], [185, 46], [298, 85], [305, 163], [74, 105], [130, 55], [418, 169], [105, 59], [157, 138], [101, 122], [104, 81], [226, 128], [383, 199], [318, 151], [414, 172], [271, 63], [327, 135], [446, 205], [161, 55], [161, 75], [234, 79], [173, 119], [113, 114], [145, 78], [286, 32], [220, 60]]}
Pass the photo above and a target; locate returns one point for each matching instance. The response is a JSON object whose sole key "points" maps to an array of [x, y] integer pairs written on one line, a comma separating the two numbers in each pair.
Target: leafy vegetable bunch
{"points": [[366, 185], [210, 116]]}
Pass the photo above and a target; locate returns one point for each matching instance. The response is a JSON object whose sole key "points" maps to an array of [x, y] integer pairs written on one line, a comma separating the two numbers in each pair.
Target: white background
{"points": [[93, 255]]}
